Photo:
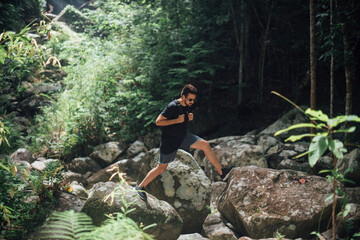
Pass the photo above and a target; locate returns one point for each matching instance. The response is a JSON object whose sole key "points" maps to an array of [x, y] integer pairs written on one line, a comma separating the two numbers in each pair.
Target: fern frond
{"points": [[66, 225]]}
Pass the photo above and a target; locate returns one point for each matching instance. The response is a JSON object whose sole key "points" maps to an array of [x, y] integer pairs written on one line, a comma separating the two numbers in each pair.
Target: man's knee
{"points": [[161, 167], [205, 145]]}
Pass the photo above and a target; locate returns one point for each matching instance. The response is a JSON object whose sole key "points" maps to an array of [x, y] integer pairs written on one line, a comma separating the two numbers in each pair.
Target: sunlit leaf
{"points": [[317, 115], [346, 210], [295, 126], [12, 192], [347, 130], [26, 174], [329, 198], [337, 148], [13, 170], [317, 148], [301, 155], [334, 122], [295, 138]]}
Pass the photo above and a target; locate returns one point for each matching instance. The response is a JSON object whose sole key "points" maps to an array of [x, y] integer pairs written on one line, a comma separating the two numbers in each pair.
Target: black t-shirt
{"points": [[173, 135]]}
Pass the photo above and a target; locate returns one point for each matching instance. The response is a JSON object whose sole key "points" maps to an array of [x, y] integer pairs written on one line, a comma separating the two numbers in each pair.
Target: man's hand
{"points": [[191, 116], [181, 118]]}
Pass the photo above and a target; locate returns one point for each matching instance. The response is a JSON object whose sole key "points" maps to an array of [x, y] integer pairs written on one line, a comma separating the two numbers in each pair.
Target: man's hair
{"points": [[188, 88]]}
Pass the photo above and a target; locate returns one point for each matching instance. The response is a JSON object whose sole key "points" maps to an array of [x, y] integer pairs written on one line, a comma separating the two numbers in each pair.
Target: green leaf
{"points": [[334, 122], [347, 210], [295, 126], [301, 155], [317, 115], [317, 148], [347, 130], [329, 198], [2, 55], [295, 138], [337, 148]]}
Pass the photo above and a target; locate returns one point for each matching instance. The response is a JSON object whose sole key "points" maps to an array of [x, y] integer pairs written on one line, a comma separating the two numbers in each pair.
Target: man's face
{"points": [[190, 99]]}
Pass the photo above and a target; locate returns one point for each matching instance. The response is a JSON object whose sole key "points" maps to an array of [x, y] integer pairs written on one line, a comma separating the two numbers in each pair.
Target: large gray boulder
{"points": [[260, 202], [83, 165], [105, 154], [183, 185], [352, 161], [215, 226], [22, 154], [292, 117], [135, 148], [192, 236], [235, 151], [169, 223]]}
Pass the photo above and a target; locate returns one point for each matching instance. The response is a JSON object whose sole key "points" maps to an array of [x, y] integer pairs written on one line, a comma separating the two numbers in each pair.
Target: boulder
{"points": [[217, 190], [105, 174], [78, 190], [83, 165], [352, 161], [292, 117], [67, 201], [261, 202], [294, 165], [70, 176], [192, 236], [267, 141], [169, 223], [22, 154], [136, 148], [40, 165], [106, 153], [235, 151], [152, 140], [215, 228], [183, 185]]}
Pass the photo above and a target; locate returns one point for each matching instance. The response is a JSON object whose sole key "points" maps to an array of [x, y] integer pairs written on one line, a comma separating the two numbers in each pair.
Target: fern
{"points": [[66, 225], [120, 227], [78, 226]]}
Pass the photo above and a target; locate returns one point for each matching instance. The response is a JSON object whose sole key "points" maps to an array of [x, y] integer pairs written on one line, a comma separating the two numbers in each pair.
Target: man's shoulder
{"points": [[173, 103]]}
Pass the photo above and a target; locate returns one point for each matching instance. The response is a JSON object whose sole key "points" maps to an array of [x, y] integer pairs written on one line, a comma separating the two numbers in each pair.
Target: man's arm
{"points": [[163, 121]]}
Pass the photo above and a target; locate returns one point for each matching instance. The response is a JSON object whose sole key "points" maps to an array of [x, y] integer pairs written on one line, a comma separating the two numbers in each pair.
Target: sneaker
{"points": [[141, 192], [225, 172]]}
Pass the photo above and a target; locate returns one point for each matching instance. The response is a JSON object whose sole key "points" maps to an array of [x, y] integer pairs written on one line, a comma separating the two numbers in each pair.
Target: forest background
{"points": [[121, 62], [130, 58]]}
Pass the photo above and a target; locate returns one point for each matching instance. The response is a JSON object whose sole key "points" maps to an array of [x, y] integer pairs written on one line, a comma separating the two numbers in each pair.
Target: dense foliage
{"points": [[124, 60]]}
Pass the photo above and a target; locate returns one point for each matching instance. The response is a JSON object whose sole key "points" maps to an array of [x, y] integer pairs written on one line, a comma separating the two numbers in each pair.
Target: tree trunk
{"points": [[349, 71], [331, 63], [312, 57], [263, 45], [240, 45], [349, 75]]}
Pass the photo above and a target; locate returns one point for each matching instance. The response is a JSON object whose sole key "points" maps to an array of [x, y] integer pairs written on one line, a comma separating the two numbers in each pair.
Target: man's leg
{"points": [[160, 168], [209, 153], [148, 179]]}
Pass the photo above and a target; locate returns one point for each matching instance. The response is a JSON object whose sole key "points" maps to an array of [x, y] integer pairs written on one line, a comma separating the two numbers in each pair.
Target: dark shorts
{"points": [[189, 140]]}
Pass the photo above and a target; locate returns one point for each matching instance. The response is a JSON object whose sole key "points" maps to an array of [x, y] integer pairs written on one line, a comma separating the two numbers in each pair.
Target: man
{"points": [[173, 121]]}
